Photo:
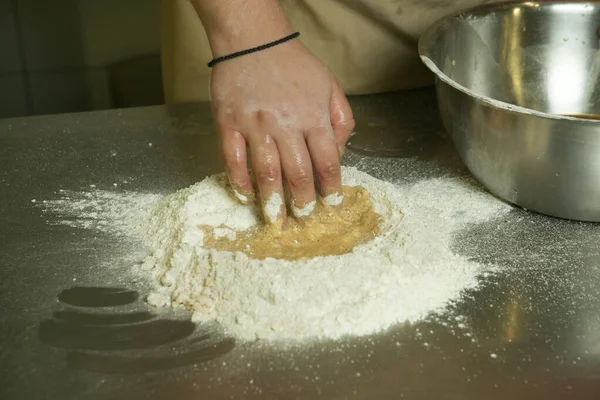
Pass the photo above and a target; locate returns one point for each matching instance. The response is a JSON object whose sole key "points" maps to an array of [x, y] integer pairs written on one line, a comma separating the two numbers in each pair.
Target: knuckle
{"points": [[225, 116], [329, 170], [350, 125], [222, 122], [267, 173], [261, 116], [232, 161], [321, 132], [299, 178]]}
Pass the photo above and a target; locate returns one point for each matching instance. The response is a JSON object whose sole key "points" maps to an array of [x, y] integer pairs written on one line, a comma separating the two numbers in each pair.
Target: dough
{"points": [[327, 231]]}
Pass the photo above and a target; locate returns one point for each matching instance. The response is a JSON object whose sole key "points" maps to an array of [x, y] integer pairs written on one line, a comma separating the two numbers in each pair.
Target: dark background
{"points": [[77, 55]]}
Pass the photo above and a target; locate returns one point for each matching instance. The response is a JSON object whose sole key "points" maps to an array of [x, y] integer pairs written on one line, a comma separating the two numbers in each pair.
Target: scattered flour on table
{"points": [[404, 274], [115, 213]]}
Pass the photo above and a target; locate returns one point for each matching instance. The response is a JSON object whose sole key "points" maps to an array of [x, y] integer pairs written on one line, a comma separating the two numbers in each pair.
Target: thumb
{"points": [[340, 114]]}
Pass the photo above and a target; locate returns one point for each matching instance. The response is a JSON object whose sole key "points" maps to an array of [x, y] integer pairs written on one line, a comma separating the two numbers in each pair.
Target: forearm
{"points": [[234, 25]]}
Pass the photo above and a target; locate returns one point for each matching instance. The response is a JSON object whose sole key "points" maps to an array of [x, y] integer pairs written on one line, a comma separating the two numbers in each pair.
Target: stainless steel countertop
{"points": [[531, 332]]}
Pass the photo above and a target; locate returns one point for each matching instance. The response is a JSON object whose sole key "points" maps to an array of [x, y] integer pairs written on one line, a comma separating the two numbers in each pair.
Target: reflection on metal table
{"points": [[534, 328]]}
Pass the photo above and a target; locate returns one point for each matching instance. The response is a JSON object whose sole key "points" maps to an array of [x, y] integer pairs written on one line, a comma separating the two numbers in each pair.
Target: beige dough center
{"points": [[327, 231]]}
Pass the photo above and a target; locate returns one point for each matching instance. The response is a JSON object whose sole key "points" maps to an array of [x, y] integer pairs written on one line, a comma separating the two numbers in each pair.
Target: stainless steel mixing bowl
{"points": [[509, 78]]}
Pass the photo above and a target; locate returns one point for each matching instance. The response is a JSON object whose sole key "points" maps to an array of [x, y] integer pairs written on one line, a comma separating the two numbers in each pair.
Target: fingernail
{"points": [[303, 211], [334, 199], [240, 197], [244, 196], [272, 208]]}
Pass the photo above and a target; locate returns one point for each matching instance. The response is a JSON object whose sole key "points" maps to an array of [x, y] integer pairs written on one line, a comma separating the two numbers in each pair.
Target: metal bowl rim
{"points": [[427, 37]]}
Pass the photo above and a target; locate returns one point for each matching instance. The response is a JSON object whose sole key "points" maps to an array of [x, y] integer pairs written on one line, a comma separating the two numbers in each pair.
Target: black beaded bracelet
{"points": [[253, 50]]}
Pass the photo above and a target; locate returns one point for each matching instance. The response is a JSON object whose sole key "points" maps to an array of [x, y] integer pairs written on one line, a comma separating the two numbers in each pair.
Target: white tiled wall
{"points": [[55, 54]]}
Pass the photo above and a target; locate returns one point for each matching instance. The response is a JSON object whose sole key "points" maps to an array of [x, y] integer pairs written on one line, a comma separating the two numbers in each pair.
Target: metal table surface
{"points": [[531, 332]]}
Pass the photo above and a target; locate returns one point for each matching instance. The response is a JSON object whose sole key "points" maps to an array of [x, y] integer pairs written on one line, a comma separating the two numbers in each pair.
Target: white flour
{"points": [[334, 199], [110, 212], [402, 275]]}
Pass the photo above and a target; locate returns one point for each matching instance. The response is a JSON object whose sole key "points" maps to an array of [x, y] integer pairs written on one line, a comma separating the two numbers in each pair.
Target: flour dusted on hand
{"points": [[403, 274]]}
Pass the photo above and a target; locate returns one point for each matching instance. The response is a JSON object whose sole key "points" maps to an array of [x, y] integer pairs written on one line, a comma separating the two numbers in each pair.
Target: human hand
{"points": [[288, 109]]}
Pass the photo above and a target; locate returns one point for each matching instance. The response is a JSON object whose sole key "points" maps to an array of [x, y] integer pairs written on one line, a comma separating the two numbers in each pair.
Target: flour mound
{"points": [[405, 273]]}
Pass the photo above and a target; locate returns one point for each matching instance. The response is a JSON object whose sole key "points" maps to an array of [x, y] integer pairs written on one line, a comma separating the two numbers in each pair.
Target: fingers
{"points": [[267, 170], [326, 163], [233, 148], [342, 119], [297, 169], [297, 157]]}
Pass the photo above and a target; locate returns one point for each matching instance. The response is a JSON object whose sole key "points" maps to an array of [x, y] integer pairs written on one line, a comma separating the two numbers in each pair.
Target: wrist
{"points": [[237, 25], [253, 49], [226, 43]]}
